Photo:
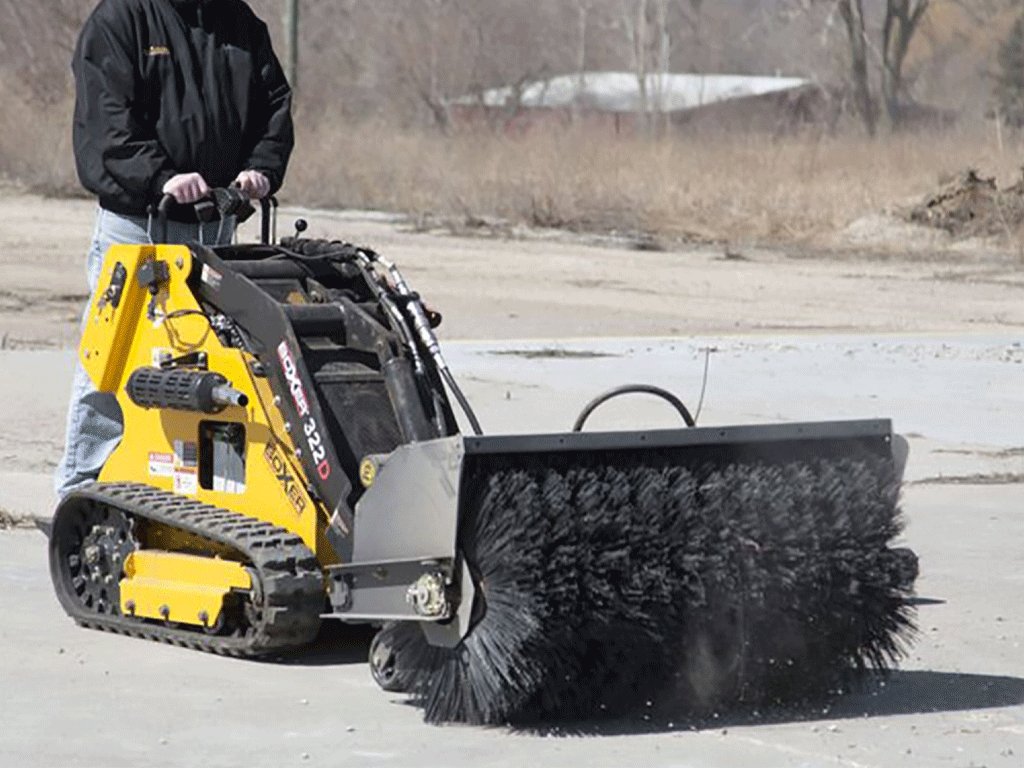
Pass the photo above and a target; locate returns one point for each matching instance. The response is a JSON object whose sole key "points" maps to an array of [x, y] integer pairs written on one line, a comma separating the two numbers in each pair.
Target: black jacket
{"points": [[176, 86]]}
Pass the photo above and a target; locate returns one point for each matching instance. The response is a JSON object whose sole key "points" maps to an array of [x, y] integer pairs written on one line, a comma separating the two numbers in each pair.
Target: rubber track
{"points": [[287, 571]]}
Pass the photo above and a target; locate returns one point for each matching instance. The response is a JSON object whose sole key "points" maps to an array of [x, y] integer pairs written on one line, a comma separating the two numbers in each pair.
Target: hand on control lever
{"points": [[253, 183], [186, 187], [232, 201]]}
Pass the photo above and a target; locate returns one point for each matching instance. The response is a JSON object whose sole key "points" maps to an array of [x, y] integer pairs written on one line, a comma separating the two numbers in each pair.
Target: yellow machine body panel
{"points": [[164, 447], [109, 330], [173, 586]]}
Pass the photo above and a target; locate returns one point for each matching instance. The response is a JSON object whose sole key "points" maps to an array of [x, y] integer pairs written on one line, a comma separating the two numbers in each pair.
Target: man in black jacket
{"points": [[172, 97]]}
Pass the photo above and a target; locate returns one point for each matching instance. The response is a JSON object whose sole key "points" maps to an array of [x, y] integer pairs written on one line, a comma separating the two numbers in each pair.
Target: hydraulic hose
{"points": [[429, 340], [630, 389]]}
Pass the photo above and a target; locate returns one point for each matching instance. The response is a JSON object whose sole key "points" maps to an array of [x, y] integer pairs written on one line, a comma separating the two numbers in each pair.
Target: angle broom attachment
{"points": [[608, 581], [703, 568]]}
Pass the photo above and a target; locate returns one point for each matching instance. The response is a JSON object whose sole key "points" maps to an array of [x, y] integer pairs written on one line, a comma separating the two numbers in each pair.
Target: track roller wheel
{"points": [[89, 545]]}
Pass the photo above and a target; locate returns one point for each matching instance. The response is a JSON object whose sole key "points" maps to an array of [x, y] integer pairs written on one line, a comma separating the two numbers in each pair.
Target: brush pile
{"points": [[970, 205]]}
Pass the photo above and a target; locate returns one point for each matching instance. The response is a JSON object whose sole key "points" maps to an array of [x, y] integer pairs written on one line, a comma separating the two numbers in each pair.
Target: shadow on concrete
{"points": [[337, 643], [918, 692], [903, 693], [925, 601], [900, 693]]}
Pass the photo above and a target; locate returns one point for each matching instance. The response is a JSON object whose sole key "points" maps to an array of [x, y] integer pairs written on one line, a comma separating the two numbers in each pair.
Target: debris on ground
{"points": [[13, 520], [973, 206]]}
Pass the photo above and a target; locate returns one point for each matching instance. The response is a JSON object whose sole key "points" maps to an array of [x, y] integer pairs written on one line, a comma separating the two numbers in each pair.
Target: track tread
{"points": [[287, 570]]}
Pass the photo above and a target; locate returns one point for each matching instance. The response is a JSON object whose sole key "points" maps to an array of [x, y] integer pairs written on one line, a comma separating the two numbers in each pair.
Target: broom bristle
{"points": [[604, 588]]}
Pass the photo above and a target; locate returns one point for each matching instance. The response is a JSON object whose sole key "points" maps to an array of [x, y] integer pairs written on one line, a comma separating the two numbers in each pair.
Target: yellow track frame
{"points": [[173, 586]]}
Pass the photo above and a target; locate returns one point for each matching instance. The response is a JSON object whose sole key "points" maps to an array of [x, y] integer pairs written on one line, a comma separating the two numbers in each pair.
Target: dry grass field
{"points": [[731, 186]]}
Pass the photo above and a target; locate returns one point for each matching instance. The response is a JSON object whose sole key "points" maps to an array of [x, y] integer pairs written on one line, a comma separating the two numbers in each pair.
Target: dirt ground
{"points": [[880, 276], [892, 321]]}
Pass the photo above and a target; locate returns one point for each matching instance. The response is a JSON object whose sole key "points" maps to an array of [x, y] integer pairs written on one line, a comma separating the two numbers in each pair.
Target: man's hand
{"points": [[254, 184], [186, 187]]}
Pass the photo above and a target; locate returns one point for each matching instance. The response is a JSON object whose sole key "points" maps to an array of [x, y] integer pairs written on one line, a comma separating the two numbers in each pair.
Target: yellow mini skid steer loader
{"points": [[291, 452]]}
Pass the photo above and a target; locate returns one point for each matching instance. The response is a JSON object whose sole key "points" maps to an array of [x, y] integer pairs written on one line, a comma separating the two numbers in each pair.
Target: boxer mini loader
{"points": [[291, 452]]}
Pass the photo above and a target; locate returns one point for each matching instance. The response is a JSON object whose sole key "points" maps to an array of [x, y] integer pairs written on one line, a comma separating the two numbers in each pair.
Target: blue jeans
{"points": [[95, 423]]}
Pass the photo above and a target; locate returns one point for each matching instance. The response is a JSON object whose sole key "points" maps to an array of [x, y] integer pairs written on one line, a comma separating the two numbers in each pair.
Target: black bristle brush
{"points": [[605, 585]]}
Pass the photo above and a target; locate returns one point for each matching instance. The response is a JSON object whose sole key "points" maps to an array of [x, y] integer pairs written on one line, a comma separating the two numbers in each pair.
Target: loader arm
{"points": [[276, 347]]}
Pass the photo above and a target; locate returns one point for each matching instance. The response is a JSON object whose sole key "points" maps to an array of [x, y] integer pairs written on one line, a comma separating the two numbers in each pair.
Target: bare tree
{"points": [[689, 12], [36, 42], [634, 23], [421, 39], [1009, 78], [983, 12], [583, 9], [662, 62], [852, 12], [646, 25], [429, 91], [902, 18], [407, 59]]}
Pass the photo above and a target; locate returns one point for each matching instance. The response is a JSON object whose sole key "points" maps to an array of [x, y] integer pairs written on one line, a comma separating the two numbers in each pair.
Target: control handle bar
{"points": [[222, 201]]}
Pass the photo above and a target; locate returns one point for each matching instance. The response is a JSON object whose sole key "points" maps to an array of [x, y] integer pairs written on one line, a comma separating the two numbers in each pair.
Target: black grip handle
{"points": [[268, 219], [206, 210], [161, 217], [225, 201], [230, 201]]}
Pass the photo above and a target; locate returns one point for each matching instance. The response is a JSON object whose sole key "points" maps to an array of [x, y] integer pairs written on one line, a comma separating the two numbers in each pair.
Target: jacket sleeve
{"points": [[115, 153], [272, 134]]}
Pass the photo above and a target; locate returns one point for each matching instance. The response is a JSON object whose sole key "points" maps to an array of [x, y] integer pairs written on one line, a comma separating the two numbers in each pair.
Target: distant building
{"points": [[613, 100]]}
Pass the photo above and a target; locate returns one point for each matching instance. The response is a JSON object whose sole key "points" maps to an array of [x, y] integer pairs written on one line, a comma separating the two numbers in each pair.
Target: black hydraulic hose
{"points": [[365, 266], [463, 402], [631, 389], [365, 260], [426, 334]]}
